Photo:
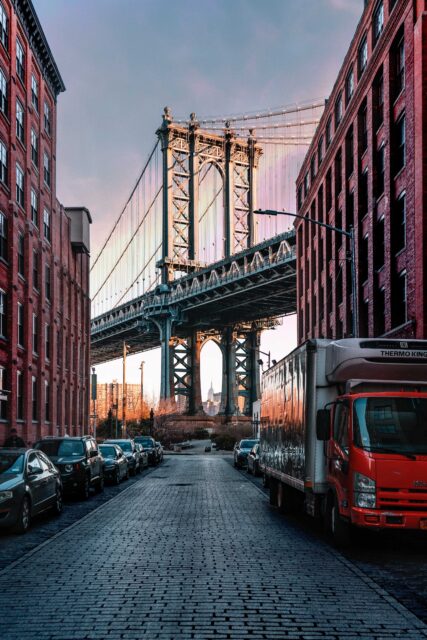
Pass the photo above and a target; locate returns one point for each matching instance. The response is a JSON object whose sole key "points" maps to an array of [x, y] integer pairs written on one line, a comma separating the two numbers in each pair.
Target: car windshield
{"points": [[391, 424], [107, 452], [248, 444], [147, 443], [125, 445], [61, 448], [11, 462]]}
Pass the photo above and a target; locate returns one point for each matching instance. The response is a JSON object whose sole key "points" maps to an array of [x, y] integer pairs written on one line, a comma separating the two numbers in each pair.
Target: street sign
{"points": [[3, 396]]}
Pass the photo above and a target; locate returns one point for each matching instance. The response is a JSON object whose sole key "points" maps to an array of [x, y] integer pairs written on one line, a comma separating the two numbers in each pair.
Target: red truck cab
{"points": [[376, 453]]}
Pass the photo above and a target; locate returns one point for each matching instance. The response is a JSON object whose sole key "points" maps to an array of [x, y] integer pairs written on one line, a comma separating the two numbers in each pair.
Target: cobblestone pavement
{"points": [[193, 551], [46, 525]]}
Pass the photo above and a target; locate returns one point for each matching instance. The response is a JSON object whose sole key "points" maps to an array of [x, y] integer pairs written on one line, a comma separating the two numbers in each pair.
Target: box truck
{"points": [[344, 433]]}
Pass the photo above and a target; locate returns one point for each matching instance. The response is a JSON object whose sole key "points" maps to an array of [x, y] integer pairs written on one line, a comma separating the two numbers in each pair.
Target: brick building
{"points": [[366, 168], [44, 260], [109, 395]]}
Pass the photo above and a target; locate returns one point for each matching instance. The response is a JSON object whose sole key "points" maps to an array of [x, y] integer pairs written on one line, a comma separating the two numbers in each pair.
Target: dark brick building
{"points": [[367, 169], [44, 260]]}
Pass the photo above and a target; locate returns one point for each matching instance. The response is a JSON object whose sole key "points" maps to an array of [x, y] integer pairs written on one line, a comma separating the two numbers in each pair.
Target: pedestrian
{"points": [[14, 441]]}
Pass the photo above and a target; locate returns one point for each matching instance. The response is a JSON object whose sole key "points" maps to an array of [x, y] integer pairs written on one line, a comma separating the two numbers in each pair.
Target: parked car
{"points": [[253, 461], [159, 450], [208, 448], [130, 451], [29, 484], [241, 452], [149, 445], [78, 460], [143, 456], [115, 463]]}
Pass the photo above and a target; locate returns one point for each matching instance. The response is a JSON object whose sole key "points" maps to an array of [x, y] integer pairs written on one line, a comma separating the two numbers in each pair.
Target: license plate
{"points": [[423, 524]]}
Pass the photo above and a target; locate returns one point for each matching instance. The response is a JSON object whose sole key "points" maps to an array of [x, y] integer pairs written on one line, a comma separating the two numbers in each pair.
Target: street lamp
{"points": [[261, 362], [94, 396], [348, 234], [142, 387]]}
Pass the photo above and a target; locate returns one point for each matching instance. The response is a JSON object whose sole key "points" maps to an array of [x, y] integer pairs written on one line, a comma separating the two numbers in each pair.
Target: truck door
{"points": [[338, 455]]}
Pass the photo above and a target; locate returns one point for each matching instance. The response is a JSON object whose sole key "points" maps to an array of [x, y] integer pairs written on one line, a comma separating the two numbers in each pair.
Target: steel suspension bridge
{"points": [[188, 260]]}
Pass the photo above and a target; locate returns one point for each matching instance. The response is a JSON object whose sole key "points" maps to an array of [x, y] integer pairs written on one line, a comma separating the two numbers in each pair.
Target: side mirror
{"points": [[93, 454], [323, 420], [34, 471], [344, 466]]}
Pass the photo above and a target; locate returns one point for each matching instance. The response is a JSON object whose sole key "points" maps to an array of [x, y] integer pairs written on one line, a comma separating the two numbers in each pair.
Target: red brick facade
{"points": [[44, 268], [372, 176]]}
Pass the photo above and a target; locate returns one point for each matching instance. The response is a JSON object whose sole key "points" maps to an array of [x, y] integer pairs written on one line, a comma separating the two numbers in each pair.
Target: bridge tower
{"points": [[187, 151]]}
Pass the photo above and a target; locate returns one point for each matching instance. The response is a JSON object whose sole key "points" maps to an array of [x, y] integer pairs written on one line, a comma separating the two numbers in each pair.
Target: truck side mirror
{"points": [[322, 424]]}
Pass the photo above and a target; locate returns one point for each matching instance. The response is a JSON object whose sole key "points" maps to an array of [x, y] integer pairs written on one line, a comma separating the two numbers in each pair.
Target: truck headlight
{"points": [[5, 495], [364, 491]]}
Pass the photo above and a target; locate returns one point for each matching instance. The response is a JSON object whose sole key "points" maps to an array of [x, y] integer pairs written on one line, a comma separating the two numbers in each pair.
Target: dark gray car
{"points": [[115, 463], [29, 484], [129, 449]]}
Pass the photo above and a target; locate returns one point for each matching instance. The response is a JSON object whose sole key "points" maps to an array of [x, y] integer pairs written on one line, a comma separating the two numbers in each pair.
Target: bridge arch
{"points": [[211, 213], [211, 373]]}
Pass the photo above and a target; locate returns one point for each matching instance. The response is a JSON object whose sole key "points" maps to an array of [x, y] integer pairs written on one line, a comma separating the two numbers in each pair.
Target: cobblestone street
{"points": [[193, 550]]}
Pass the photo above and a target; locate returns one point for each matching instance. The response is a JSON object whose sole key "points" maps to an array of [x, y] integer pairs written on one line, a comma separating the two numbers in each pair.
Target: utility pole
{"points": [[94, 395], [142, 387], [124, 391]]}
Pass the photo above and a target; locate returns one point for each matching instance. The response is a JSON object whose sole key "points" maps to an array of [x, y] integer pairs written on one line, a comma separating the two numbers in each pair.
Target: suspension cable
{"points": [[124, 208]]}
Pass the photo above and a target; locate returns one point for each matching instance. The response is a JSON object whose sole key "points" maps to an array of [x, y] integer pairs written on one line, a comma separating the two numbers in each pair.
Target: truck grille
{"points": [[402, 499]]}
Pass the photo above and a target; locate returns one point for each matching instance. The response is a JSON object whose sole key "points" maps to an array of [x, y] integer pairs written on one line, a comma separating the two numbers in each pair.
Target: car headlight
{"points": [[364, 491], [68, 468], [5, 495]]}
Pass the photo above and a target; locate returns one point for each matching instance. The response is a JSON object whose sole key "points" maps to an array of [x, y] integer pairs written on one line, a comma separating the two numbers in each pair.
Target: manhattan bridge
{"points": [[189, 259]]}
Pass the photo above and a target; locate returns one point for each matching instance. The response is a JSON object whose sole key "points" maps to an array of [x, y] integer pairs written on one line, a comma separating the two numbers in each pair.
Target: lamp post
{"points": [[142, 386], [348, 234], [124, 393], [260, 362], [94, 395]]}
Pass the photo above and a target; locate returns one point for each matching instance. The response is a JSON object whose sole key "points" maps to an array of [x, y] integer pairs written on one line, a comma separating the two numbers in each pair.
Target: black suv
{"points": [[149, 445], [78, 460]]}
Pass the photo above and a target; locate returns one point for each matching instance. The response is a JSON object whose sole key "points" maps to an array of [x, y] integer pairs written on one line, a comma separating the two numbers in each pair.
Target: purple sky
{"points": [[122, 61]]}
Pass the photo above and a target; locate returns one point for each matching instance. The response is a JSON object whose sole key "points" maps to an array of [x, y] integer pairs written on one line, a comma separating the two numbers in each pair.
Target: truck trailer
{"points": [[344, 433]]}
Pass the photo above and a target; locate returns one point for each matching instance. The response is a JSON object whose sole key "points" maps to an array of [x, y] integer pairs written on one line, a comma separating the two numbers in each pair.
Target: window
{"points": [[299, 197], [399, 61], [399, 299], [58, 347], [19, 396], [363, 127], [338, 173], [313, 168], [3, 163], [378, 99], [34, 93], [48, 284], [4, 27], [400, 146], [341, 426], [34, 147], [46, 224], [35, 269], [47, 341], [379, 249], [349, 152], [21, 254], [19, 121], [3, 93], [47, 125], [306, 183], [34, 411], [363, 193], [380, 171], [398, 226], [3, 236], [320, 151], [378, 22], [46, 168], [329, 132], [20, 61], [3, 387], [362, 56], [35, 334], [338, 110], [20, 315], [328, 190], [19, 185], [349, 86], [34, 207], [46, 401], [3, 314]]}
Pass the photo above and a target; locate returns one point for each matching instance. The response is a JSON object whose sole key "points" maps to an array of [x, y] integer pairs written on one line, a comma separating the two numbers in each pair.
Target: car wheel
{"points": [[85, 489], [59, 503], [117, 477], [24, 517], [100, 484], [127, 474], [139, 468]]}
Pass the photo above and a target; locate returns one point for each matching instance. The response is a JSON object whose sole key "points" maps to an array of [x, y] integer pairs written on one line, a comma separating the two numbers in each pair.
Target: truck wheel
{"points": [[337, 527], [273, 492]]}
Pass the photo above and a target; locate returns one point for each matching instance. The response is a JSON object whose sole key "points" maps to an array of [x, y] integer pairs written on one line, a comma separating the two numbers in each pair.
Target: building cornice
{"points": [[30, 23]]}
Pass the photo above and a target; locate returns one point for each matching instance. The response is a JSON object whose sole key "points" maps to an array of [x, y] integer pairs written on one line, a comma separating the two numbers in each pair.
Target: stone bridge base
{"points": [[240, 425]]}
